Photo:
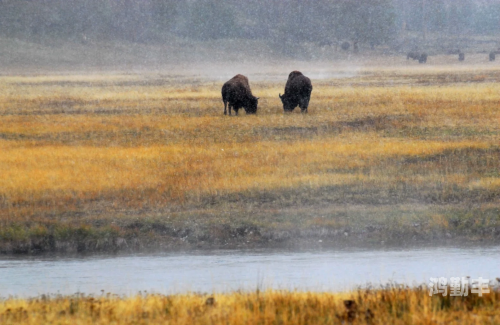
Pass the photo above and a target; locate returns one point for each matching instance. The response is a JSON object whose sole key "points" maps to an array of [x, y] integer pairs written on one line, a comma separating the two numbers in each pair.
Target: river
{"points": [[228, 270]]}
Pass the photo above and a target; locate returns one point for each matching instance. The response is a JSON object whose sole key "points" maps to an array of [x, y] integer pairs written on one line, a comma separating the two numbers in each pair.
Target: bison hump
{"points": [[240, 78], [300, 84], [238, 81], [294, 74], [238, 86]]}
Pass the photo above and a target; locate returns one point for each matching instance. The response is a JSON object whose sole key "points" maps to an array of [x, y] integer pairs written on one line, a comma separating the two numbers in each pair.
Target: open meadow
{"points": [[111, 161]]}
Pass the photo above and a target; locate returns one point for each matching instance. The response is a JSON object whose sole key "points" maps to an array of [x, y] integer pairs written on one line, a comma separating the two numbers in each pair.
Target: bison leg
{"points": [[225, 107], [303, 105]]}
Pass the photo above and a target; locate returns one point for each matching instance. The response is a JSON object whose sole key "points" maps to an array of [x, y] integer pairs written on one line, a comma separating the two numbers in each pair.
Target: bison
{"points": [[298, 90], [413, 55], [461, 56], [236, 93], [492, 56], [422, 58]]}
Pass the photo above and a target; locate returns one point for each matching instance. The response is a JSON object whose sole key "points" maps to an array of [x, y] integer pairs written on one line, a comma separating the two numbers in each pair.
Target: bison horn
{"points": [[280, 95], [258, 97]]}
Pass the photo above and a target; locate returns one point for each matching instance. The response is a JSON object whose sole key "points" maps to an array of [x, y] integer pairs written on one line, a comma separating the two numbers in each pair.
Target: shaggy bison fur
{"points": [[236, 93], [413, 55], [298, 90], [421, 57]]}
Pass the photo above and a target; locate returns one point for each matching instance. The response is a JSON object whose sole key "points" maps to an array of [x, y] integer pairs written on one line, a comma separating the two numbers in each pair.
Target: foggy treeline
{"points": [[371, 22]]}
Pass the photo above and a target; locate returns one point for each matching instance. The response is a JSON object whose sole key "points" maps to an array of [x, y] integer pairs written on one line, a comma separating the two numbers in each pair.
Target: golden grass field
{"points": [[114, 152], [392, 305]]}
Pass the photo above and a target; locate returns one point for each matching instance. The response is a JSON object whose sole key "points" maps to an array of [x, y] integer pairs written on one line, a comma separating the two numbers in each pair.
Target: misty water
{"points": [[229, 270]]}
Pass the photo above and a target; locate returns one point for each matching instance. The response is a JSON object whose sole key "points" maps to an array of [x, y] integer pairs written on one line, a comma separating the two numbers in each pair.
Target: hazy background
{"points": [[120, 33]]}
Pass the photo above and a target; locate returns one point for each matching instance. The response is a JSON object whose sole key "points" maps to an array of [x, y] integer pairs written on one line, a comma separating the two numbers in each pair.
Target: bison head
{"points": [[287, 103], [251, 107]]}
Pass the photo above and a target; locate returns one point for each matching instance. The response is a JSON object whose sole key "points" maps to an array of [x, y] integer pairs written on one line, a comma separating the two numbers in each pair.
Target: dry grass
{"points": [[136, 141], [392, 305]]}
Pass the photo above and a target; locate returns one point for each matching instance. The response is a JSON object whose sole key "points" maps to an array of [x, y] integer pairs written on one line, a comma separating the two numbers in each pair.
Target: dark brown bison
{"points": [[298, 90], [236, 93], [492, 56], [422, 58], [413, 55]]}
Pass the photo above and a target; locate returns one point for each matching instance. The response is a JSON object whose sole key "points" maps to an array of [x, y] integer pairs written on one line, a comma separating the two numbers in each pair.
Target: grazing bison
{"points": [[298, 90], [422, 58], [461, 56], [492, 56], [236, 93], [413, 55]]}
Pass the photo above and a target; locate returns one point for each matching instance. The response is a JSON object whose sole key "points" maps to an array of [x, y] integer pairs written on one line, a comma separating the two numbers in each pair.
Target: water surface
{"points": [[224, 270]]}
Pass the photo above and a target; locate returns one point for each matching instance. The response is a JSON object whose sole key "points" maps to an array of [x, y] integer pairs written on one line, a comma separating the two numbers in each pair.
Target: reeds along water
{"points": [[391, 305]]}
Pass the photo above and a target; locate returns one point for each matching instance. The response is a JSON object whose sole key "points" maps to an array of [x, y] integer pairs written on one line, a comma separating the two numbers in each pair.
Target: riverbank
{"points": [[294, 227], [390, 305]]}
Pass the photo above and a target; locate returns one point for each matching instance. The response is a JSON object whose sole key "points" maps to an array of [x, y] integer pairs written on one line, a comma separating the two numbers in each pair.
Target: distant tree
{"points": [[486, 17], [367, 22], [450, 17], [163, 16], [207, 20], [285, 23]]}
